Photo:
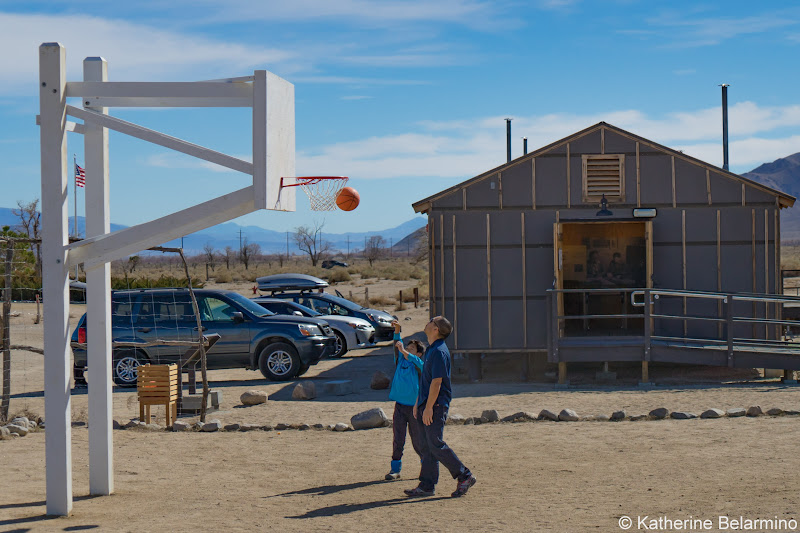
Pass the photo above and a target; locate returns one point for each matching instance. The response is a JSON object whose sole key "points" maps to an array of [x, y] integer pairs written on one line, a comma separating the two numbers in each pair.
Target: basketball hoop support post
{"points": [[272, 101]]}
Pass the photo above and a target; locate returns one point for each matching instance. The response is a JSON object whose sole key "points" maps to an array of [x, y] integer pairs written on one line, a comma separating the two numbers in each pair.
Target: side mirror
{"points": [[238, 317]]}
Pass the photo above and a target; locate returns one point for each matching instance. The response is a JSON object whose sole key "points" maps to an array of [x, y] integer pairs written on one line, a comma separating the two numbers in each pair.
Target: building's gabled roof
{"points": [[785, 200]]}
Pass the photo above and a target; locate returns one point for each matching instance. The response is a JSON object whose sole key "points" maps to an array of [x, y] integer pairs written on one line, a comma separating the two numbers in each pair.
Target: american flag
{"points": [[80, 176]]}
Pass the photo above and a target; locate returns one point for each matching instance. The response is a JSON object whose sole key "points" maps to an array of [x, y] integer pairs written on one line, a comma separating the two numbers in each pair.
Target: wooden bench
{"points": [[158, 385]]}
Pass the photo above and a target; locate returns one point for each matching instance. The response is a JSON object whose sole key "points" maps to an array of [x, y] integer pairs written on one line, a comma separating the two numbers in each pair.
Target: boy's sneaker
{"points": [[419, 492], [463, 486], [391, 476]]}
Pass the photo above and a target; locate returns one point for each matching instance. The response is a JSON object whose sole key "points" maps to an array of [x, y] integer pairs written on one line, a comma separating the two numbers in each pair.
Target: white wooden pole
{"points": [[57, 408], [98, 297]]}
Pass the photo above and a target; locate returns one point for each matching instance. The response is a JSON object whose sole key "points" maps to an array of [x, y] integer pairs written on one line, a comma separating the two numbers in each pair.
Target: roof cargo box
{"points": [[290, 282]]}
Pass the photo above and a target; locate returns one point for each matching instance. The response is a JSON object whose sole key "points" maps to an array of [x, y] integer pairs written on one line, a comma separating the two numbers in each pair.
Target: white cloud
{"points": [[465, 148], [688, 31], [133, 51]]}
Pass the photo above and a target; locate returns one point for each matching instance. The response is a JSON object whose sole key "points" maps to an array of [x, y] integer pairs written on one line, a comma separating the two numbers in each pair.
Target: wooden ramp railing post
{"points": [[729, 327], [648, 332]]}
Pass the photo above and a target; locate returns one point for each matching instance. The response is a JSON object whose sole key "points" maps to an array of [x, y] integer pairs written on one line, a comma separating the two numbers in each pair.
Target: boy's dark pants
{"points": [[403, 415], [436, 451]]}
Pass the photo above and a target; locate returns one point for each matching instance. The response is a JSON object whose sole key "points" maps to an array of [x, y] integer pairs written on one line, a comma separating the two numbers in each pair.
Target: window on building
{"points": [[603, 174]]}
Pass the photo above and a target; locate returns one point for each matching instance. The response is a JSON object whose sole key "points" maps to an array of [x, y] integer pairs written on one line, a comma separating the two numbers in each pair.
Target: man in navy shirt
{"points": [[431, 410]]}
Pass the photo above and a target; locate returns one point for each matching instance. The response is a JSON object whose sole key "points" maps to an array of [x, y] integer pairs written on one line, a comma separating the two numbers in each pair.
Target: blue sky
{"points": [[407, 97]]}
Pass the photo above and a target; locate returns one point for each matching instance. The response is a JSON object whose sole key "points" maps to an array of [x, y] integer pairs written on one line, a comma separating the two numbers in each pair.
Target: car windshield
{"points": [[305, 310], [347, 304], [251, 307]]}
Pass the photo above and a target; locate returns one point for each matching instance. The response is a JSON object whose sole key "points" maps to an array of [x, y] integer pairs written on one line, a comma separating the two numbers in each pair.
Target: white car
{"points": [[351, 332]]}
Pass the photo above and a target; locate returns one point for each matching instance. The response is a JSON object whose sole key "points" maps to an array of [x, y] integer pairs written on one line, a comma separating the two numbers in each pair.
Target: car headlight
{"points": [[309, 330]]}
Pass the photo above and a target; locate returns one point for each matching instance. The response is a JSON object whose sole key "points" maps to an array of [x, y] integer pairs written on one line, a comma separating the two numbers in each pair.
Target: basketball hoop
{"points": [[321, 190]]}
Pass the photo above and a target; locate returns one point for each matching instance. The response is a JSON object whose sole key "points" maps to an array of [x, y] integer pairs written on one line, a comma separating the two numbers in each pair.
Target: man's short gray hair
{"points": [[443, 325]]}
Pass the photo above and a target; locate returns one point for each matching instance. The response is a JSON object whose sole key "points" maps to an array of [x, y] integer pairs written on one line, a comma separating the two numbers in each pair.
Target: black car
{"points": [[305, 290], [251, 337], [330, 263]]}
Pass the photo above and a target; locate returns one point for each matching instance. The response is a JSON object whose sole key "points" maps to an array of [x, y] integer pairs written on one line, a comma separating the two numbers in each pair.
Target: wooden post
{"points": [[645, 372], [98, 298], [729, 327], [38, 313], [350, 296], [416, 297], [55, 278], [4, 404], [562, 373], [400, 298], [366, 296]]}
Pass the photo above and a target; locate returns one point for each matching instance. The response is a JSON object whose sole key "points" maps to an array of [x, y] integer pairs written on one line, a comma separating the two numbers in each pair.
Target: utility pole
{"points": [[287, 245], [348, 246], [390, 247], [240, 242]]}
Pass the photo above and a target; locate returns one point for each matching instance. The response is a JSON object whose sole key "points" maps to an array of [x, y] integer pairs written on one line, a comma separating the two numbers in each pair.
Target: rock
{"points": [[330, 427], [305, 390], [791, 412], [132, 424], [281, 426], [546, 414], [618, 415], [660, 413], [636, 418], [601, 418], [4, 433], [21, 421], [469, 421], [212, 425], [339, 387], [267, 427], [372, 418], [407, 318], [521, 416], [775, 411], [181, 426], [754, 410], [199, 426], [116, 425], [303, 427], [253, 397], [682, 415], [477, 420], [32, 425], [232, 427], [455, 420], [318, 426], [78, 423], [568, 415], [380, 381], [17, 429], [250, 427], [736, 411], [341, 426], [713, 413], [490, 415]]}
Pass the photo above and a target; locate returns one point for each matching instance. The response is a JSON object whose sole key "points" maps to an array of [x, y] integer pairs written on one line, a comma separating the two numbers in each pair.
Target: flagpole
{"points": [[75, 195]]}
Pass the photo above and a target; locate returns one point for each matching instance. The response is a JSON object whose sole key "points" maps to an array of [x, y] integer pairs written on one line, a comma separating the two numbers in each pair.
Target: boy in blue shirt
{"points": [[431, 411], [404, 391]]}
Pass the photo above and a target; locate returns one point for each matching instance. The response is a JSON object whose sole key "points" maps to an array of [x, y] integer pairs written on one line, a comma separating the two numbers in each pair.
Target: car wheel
{"points": [[279, 361], [341, 345], [125, 367], [302, 370]]}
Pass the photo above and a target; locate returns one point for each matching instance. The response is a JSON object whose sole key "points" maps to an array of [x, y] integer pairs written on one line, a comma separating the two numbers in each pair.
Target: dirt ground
{"points": [[580, 476]]}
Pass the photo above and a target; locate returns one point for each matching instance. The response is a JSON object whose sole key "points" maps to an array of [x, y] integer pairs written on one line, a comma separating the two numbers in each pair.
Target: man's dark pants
{"points": [[404, 414], [436, 451]]}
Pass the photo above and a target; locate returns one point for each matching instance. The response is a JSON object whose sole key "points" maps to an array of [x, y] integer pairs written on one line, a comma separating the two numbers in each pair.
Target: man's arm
{"points": [[433, 395]]}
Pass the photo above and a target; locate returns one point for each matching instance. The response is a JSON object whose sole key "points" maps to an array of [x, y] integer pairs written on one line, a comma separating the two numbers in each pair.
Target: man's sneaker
{"points": [[463, 486], [391, 476], [419, 492]]}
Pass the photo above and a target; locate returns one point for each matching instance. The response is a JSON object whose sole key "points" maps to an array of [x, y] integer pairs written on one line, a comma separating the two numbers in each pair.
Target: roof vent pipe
{"points": [[524, 146], [508, 140], [725, 125]]}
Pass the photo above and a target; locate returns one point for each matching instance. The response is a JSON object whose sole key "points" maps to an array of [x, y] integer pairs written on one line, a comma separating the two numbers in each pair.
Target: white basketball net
{"points": [[322, 192]]}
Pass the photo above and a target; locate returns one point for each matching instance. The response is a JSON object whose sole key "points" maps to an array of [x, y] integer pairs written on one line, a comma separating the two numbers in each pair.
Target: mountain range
{"points": [[228, 234], [782, 174]]}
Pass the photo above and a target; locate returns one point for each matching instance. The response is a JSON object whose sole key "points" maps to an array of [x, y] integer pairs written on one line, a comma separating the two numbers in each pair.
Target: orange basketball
{"points": [[348, 199]]}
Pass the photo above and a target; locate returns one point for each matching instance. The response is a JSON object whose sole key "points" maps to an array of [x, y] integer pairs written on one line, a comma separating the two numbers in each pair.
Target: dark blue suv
{"points": [[282, 347]]}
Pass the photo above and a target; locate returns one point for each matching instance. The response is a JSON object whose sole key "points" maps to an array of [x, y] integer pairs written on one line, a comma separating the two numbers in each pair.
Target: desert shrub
{"points": [[147, 283], [383, 301], [223, 277], [339, 275], [368, 272]]}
